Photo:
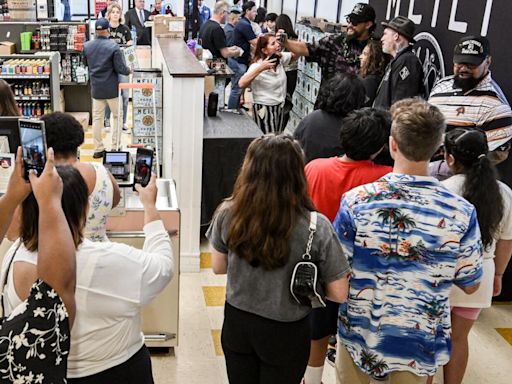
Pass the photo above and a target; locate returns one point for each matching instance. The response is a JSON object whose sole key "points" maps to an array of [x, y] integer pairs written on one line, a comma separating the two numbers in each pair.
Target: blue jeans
{"points": [[239, 69], [125, 96]]}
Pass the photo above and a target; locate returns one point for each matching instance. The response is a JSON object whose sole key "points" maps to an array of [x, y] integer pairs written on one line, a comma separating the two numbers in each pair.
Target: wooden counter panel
{"points": [[179, 59]]}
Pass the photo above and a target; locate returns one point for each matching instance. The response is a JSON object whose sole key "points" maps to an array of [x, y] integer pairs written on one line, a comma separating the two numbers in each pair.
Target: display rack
{"points": [[144, 121], [36, 93], [309, 76]]}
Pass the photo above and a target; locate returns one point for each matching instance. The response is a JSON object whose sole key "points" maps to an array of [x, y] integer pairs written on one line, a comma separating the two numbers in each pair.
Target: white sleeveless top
{"points": [[100, 205]]}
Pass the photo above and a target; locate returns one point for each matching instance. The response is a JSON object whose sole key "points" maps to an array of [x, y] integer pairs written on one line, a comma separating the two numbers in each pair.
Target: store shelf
{"points": [[33, 98], [24, 77], [31, 51], [71, 83]]}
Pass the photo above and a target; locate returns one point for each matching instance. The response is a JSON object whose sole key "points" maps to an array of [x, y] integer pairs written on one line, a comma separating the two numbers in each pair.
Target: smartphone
{"points": [[33, 142], [282, 37], [276, 57], [143, 167]]}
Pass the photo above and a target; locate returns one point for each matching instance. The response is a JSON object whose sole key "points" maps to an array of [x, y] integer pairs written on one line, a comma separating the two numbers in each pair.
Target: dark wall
{"points": [[491, 18]]}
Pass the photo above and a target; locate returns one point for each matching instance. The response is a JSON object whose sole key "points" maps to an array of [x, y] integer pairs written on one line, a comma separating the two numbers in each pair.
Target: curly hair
{"points": [[341, 94], [377, 60], [469, 149], [63, 133]]}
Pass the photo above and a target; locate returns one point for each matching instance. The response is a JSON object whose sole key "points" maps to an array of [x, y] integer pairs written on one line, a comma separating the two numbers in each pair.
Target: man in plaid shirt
{"points": [[339, 52]]}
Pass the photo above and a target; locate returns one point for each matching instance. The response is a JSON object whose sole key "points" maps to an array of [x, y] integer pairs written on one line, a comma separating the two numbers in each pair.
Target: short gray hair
{"points": [[220, 7]]}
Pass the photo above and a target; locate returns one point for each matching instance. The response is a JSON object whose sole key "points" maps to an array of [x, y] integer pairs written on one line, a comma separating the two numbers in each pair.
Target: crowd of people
{"points": [[402, 173]]}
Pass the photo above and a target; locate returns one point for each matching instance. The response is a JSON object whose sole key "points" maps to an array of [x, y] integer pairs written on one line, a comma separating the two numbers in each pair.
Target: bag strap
{"points": [[4, 280], [312, 229]]}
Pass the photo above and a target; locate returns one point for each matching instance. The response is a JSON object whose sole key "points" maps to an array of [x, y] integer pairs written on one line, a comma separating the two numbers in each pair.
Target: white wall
{"points": [[327, 9]]}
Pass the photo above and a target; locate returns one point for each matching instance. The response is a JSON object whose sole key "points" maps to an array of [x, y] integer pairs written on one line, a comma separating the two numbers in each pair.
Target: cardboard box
{"points": [[143, 98], [7, 48], [169, 26], [144, 121]]}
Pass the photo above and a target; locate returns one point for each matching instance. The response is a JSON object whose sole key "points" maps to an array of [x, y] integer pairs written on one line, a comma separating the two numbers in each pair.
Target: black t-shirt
{"points": [[212, 37], [121, 34], [319, 135]]}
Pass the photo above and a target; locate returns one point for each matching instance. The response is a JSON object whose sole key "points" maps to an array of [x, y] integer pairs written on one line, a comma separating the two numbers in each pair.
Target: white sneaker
{"points": [[106, 129]]}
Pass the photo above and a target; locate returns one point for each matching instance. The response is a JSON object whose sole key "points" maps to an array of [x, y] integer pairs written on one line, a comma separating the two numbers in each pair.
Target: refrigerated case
{"points": [[124, 225], [47, 84]]}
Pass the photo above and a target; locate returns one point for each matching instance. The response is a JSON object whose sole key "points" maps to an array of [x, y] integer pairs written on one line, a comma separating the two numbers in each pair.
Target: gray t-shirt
{"points": [[267, 293]]}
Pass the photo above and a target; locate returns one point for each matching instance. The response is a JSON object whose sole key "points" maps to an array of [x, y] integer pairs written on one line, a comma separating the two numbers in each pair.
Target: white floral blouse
{"points": [[100, 205]]}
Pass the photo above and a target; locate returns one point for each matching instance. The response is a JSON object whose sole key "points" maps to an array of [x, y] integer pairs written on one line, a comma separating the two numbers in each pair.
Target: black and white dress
{"points": [[34, 339]]}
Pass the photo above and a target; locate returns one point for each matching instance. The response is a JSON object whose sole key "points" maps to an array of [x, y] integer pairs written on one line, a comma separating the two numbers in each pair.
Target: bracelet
{"points": [[498, 274]]}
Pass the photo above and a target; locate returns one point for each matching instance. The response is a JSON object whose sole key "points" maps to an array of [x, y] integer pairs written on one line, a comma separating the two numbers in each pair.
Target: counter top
{"points": [[230, 125], [179, 59]]}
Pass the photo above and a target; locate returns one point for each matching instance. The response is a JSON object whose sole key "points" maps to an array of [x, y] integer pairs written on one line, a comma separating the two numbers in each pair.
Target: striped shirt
{"points": [[484, 107]]}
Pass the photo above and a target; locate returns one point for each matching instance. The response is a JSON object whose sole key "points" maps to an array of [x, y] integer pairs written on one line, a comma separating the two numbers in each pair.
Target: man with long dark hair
{"points": [[339, 52]]}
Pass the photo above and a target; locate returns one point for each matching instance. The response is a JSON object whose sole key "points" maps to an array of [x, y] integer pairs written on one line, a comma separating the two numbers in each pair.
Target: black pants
{"points": [[136, 370], [264, 351]]}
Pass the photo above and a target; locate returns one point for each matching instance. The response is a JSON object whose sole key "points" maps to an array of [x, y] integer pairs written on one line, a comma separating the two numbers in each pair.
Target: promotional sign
{"points": [[440, 24]]}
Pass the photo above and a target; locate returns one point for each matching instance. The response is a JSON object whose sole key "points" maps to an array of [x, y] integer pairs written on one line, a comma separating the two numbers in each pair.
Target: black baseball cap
{"points": [[101, 24], [362, 12], [471, 50]]}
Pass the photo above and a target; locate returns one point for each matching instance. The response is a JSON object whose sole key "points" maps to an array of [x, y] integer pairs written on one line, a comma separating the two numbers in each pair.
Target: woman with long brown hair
{"points": [[267, 78], [373, 66], [257, 237], [8, 106]]}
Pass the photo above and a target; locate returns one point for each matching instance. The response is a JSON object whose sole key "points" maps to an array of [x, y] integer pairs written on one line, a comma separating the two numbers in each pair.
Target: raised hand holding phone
{"points": [[33, 143]]}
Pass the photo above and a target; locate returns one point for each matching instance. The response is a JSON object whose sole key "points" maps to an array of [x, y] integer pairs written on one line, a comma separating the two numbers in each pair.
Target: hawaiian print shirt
{"points": [[408, 239], [335, 54]]}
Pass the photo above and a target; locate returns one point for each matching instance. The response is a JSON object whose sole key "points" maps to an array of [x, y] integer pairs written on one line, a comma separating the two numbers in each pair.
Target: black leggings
{"points": [[264, 351], [136, 370]]}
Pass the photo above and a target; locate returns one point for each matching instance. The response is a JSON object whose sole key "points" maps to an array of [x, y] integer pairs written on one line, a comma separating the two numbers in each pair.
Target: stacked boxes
{"points": [[144, 121], [308, 79]]}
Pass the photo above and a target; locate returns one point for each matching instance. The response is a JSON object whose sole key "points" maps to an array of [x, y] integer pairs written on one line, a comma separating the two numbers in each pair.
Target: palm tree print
{"points": [[402, 222], [387, 215], [370, 362]]}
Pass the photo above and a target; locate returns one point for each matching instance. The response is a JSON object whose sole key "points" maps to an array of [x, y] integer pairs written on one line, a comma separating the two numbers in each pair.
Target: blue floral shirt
{"points": [[408, 239]]}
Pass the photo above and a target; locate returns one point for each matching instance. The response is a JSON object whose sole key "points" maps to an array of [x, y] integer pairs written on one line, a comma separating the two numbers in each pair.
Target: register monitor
{"points": [[9, 134], [118, 163]]}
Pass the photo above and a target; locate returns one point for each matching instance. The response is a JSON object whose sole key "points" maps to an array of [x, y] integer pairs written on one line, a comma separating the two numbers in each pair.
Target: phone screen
{"points": [[143, 166], [33, 142]]}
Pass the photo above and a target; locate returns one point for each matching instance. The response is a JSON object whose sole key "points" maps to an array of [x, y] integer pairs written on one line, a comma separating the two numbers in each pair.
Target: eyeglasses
{"points": [[353, 22]]}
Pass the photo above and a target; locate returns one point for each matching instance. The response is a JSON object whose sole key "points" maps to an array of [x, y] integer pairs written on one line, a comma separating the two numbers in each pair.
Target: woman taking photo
{"points": [[475, 179], [267, 78], [65, 135], [373, 66], [284, 24], [121, 34], [34, 339], [257, 237], [114, 281]]}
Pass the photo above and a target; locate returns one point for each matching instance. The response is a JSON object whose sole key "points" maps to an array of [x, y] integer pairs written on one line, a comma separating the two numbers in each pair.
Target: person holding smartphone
{"points": [[50, 289], [267, 78], [114, 282]]}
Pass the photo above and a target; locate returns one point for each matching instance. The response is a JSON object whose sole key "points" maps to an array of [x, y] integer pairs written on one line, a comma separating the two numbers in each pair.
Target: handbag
{"points": [[305, 286]]}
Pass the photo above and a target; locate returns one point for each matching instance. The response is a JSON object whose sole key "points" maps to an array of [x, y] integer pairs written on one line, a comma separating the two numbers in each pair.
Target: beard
{"points": [[354, 35], [465, 84]]}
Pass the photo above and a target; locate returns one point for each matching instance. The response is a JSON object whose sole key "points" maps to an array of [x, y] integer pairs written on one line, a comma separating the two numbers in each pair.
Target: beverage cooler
{"points": [[34, 80], [125, 225]]}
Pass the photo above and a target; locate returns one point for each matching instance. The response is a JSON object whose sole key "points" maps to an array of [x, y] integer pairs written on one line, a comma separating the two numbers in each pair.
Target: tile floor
{"points": [[198, 358]]}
